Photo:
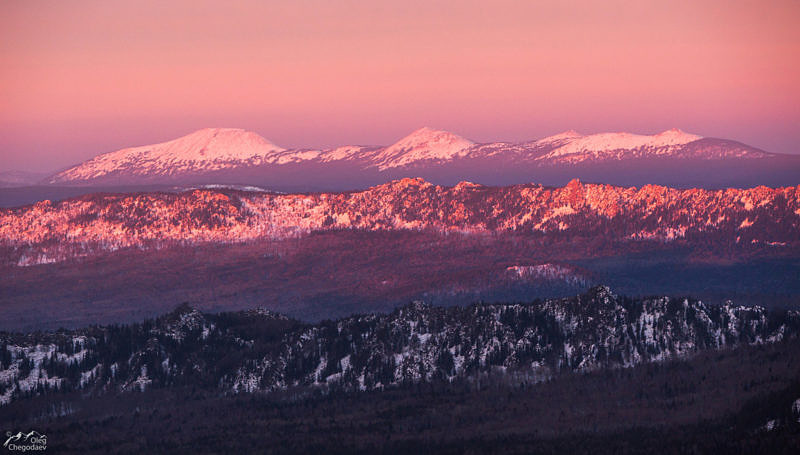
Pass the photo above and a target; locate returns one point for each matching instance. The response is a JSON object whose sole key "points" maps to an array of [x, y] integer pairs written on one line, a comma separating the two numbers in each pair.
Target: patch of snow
{"points": [[796, 409]]}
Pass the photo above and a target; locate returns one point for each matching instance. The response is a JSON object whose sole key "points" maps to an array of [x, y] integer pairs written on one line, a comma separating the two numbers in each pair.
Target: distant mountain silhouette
{"points": [[236, 156]]}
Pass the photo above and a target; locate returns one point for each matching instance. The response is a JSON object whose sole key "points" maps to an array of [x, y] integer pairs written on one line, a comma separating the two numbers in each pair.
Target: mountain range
{"points": [[236, 156], [258, 350], [120, 257], [55, 231]]}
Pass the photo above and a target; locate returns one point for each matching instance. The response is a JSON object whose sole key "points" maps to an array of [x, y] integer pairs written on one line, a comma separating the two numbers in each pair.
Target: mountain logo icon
{"points": [[30, 441]]}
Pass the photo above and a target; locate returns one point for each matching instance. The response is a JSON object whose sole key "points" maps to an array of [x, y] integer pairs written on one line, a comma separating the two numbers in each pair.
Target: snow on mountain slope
{"points": [[416, 343], [48, 232], [423, 144], [614, 141], [347, 152], [571, 147], [561, 138], [217, 149], [204, 150]]}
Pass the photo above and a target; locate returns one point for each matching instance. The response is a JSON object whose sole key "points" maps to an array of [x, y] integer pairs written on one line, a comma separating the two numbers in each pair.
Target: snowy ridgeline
{"points": [[626, 217], [216, 149], [262, 351]]}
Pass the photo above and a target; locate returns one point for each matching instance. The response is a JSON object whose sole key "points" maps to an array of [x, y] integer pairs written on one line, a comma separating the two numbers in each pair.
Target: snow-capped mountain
{"points": [[572, 147], [259, 350], [205, 150], [49, 232], [237, 156], [422, 146]]}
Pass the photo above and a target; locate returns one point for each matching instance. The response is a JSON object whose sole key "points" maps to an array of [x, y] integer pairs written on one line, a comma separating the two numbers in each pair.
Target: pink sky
{"points": [[81, 78]]}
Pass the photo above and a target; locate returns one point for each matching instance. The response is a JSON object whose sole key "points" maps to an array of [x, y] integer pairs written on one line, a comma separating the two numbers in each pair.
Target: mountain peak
{"points": [[405, 183], [431, 137], [609, 145], [677, 134], [427, 130], [207, 149], [465, 185], [216, 130], [224, 143], [574, 184], [566, 135], [423, 144]]}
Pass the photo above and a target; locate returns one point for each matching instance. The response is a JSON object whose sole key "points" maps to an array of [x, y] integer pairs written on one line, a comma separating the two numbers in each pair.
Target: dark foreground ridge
{"points": [[597, 373], [261, 351]]}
